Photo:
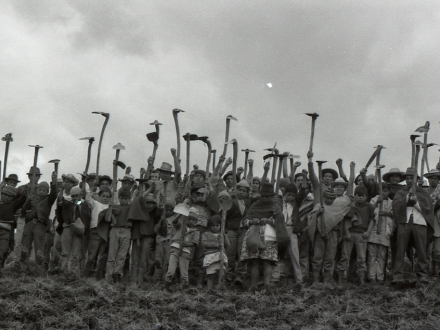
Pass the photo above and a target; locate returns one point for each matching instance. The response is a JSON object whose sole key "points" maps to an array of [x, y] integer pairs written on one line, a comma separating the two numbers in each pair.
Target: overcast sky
{"points": [[371, 69]]}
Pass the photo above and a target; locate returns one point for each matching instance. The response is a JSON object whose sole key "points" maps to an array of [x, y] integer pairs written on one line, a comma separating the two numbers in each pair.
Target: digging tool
{"points": [[292, 160], [424, 130], [225, 205], [312, 132], [413, 147], [107, 117], [205, 140], [246, 157], [379, 180], [416, 162], [373, 156], [280, 168], [89, 153], [153, 137], [274, 151], [128, 170], [118, 147], [228, 124], [176, 122], [214, 160], [321, 192], [141, 181], [37, 148], [285, 169], [8, 139], [55, 163], [234, 162], [182, 209], [188, 138], [426, 159], [156, 125]]}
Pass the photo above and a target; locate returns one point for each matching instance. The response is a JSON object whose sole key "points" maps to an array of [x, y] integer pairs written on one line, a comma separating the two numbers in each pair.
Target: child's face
{"points": [[223, 198], [105, 198], [191, 222], [395, 178], [328, 201], [215, 228], [75, 198], [165, 176], [339, 190], [104, 184], [360, 199], [229, 181], [385, 193], [242, 192], [197, 197], [41, 192], [169, 211], [127, 184], [124, 200], [198, 178], [6, 198], [154, 176], [11, 183], [327, 178], [255, 185], [289, 197], [359, 181], [150, 205], [409, 180]]}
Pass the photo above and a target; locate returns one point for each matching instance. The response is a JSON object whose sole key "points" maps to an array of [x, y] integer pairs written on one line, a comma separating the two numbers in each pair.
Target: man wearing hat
{"points": [[165, 173], [414, 216], [12, 180], [393, 177], [433, 190]]}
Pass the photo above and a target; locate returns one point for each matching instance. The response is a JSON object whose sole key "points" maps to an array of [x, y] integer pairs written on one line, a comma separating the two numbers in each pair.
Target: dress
{"points": [[270, 252]]}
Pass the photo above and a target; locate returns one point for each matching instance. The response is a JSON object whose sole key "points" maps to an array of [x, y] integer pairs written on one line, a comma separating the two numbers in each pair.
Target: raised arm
{"points": [[350, 188], [251, 172], [266, 170], [177, 168], [225, 167], [292, 173], [341, 169]]}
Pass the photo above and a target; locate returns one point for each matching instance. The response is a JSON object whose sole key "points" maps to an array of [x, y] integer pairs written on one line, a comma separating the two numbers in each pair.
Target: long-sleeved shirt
{"points": [[40, 208], [7, 211], [96, 208]]}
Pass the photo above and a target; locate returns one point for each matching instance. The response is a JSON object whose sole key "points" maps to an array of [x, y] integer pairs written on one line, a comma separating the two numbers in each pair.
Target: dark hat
{"points": [[201, 172], [34, 170], [91, 176], [393, 171], [165, 167], [104, 178], [124, 192], [291, 188], [267, 189], [331, 171], [12, 177], [432, 173], [411, 171]]}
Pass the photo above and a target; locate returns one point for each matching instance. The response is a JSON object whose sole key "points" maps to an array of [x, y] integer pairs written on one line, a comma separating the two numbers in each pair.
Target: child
{"points": [[163, 231], [120, 236], [211, 241], [184, 239], [37, 210], [379, 239], [356, 234]]}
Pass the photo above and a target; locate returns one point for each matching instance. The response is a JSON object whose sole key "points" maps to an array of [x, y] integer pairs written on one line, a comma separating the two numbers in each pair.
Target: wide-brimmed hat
{"points": [[411, 171], [12, 177], [331, 171], [104, 178], [165, 167], [431, 173], [339, 182], [34, 170], [393, 171], [71, 178], [243, 183], [267, 189], [127, 177]]}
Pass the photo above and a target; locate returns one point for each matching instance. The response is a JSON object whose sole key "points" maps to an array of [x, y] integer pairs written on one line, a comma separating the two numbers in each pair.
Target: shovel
{"points": [[225, 205]]}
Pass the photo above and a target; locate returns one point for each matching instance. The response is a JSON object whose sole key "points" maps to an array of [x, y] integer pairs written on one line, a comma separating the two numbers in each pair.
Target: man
{"points": [[413, 213], [433, 177], [165, 173], [12, 180]]}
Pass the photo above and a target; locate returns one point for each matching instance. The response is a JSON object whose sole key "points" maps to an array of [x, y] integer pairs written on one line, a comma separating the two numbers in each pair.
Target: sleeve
{"points": [[196, 237], [53, 194], [19, 202]]}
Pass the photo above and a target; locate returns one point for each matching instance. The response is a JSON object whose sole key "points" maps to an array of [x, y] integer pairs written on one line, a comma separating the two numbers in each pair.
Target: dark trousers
{"points": [[96, 254], [34, 232], [417, 234]]}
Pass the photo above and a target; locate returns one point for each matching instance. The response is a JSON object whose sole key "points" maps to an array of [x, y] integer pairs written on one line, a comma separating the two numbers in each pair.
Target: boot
{"points": [[360, 277], [340, 276]]}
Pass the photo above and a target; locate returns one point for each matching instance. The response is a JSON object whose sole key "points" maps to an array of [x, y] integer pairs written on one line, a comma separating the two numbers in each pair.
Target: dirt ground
{"points": [[56, 302]]}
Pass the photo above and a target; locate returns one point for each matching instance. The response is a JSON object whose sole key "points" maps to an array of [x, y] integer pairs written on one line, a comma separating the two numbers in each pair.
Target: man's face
{"points": [[165, 176], [68, 185], [154, 176], [37, 178], [6, 198], [433, 181], [223, 198], [197, 197], [360, 199], [104, 184], [229, 181], [242, 192], [395, 179], [41, 192], [299, 180], [124, 200], [339, 190], [11, 183], [327, 178], [127, 184], [408, 180], [150, 205], [105, 198], [255, 185], [289, 197]]}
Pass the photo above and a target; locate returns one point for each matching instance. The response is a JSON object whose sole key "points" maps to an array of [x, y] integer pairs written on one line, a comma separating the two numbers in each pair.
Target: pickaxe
{"points": [[8, 139], [280, 168], [321, 193], [234, 162], [424, 129], [89, 154], [107, 117], [246, 157], [188, 138], [213, 159], [37, 147], [118, 147], [413, 148], [374, 155], [205, 139], [426, 156], [156, 124], [312, 132], [417, 145], [228, 123], [275, 159], [153, 137], [291, 159], [176, 122], [379, 180], [225, 205], [55, 163]]}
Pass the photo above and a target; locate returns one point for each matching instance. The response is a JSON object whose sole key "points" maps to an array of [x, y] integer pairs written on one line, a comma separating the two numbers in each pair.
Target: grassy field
{"points": [[41, 302]]}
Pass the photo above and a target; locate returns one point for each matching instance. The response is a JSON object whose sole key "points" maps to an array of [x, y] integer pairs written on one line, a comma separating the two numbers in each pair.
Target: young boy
{"points": [[120, 236], [357, 233], [379, 239], [184, 240], [37, 210], [163, 236]]}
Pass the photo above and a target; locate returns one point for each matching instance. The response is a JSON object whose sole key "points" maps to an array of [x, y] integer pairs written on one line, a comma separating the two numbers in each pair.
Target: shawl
{"points": [[260, 210], [424, 199]]}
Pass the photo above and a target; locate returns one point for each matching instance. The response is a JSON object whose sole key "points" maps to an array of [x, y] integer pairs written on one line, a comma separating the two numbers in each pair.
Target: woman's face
{"points": [[255, 185]]}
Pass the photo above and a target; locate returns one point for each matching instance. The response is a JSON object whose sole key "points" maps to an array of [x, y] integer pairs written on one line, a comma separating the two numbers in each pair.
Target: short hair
{"points": [[297, 175], [214, 220], [104, 190], [360, 190]]}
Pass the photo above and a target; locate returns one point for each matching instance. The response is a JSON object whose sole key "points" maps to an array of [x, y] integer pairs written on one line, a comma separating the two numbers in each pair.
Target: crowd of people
{"points": [[168, 228]]}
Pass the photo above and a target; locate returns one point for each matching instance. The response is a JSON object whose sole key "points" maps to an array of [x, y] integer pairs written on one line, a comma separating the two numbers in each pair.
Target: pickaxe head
{"points": [[214, 151], [268, 156], [91, 139], [203, 139], [431, 144], [190, 137], [272, 149], [54, 161], [36, 147], [293, 156], [378, 167], [119, 146], [233, 141], [414, 136], [231, 118], [418, 143], [152, 137], [155, 123], [320, 162], [313, 115], [247, 150], [121, 164], [177, 111], [105, 114], [380, 147], [8, 138]]}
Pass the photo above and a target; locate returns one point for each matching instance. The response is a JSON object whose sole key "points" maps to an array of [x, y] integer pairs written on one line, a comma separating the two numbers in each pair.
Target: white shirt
{"points": [[416, 212], [287, 211]]}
